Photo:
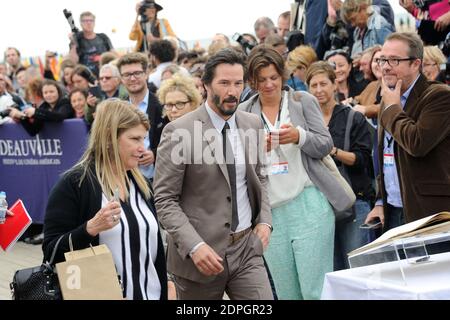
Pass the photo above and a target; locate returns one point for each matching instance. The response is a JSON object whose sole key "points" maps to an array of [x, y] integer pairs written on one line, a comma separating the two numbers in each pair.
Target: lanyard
{"points": [[277, 123], [389, 141]]}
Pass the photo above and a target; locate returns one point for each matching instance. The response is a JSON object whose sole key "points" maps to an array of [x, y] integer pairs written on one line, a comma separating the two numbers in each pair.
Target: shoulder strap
{"points": [[104, 38], [297, 96], [55, 249], [348, 128]]}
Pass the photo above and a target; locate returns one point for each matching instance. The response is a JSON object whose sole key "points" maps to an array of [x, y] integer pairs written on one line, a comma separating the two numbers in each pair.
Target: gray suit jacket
{"points": [[315, 142], [193, 198]]}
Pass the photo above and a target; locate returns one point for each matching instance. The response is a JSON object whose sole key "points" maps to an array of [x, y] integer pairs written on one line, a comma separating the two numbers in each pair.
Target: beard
{"points": [[221, 104]]}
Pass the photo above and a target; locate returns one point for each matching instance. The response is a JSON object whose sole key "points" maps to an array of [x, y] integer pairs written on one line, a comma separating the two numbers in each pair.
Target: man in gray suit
{"points": [[216, 212]]}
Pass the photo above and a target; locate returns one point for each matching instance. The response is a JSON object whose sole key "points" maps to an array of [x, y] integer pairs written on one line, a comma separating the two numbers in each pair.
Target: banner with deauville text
{"points": [[30, 166]]}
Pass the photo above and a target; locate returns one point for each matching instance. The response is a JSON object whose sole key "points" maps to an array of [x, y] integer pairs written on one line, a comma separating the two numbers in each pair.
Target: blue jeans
{"points": [[349, 236]]}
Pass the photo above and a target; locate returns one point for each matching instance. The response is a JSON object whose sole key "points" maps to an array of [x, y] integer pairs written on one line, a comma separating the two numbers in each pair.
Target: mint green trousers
{"points": [[300, 250]]}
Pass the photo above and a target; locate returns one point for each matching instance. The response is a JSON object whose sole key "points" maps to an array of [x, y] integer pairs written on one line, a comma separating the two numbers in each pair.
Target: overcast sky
{"points": [[36, 25]]}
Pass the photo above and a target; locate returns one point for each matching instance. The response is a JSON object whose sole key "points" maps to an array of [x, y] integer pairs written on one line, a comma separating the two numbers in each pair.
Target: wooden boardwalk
{"points": [[21, 256]]}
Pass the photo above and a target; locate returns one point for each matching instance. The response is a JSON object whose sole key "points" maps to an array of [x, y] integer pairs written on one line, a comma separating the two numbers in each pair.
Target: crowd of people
{"points": [[217, 154]]}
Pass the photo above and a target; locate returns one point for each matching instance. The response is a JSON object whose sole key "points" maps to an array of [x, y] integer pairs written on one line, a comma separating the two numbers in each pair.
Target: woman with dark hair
{"points": [[300, 251], [78, 101], [84, 79], [67, 67], [356, 161], [347, 86], [149, 27], [55, 108]]}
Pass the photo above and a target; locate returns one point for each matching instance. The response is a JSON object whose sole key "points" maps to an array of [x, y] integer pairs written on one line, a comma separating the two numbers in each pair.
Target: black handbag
{"points": [[37, 283]]}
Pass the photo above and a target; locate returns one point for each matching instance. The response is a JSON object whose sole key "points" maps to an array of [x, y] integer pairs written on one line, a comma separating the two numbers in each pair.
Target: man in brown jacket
{"points": [[216, 212], [414, 133]]}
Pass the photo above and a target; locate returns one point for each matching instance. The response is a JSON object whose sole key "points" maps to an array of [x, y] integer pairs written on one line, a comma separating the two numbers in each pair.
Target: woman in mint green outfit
{"points": [[300, 250]]}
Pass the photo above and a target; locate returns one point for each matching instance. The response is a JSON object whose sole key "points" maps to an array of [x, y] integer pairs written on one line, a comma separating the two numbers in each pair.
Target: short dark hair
{"points": [[224, 56], [263, 56], [48, 82], [85, 93], [163, 50], [84, 72], [132, 58]]}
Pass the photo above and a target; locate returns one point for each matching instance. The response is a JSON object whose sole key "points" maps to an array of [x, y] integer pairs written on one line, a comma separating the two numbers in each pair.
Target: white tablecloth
{"points": [[429, 280]]}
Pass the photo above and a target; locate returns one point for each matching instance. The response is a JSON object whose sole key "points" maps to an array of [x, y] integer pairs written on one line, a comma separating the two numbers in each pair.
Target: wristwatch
{"points": [[335, 153]]}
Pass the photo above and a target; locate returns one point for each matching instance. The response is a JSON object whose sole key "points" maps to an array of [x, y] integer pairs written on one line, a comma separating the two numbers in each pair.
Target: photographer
{"points": [[147, 26], [371, 28], [336, 34], [87, 46]]}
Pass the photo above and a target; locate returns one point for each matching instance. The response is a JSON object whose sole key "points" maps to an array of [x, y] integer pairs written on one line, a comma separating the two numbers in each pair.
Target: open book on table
{"points": [[436, 223]]}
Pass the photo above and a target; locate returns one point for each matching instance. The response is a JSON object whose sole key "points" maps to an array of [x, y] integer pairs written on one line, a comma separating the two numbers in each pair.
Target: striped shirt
{"points": [[134, 244]]}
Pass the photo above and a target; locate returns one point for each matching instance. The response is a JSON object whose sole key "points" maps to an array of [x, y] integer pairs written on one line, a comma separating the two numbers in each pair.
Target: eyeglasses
{"points": [[106, 78], [87, 20], [429, 65], [393, 62], [179, 105], [136, 74]]}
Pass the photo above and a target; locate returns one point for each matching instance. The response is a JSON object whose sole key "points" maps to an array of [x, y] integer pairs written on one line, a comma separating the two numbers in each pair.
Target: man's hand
{"points": [[147, 158], [263, 232], [377, 211], [442, 22], [138, 6], [332, 15], [390, 96], [207, 261]]}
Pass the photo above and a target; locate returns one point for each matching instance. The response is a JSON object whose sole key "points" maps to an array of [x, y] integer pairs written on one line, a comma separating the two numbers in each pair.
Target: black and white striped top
{"points": [[134, 244]]}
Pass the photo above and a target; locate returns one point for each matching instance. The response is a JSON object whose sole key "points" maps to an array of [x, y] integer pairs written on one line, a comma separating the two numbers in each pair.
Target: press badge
{"points": [[388, 160], [279, 168]]}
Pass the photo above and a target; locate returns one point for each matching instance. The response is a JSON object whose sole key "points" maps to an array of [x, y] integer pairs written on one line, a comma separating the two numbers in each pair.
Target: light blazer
{"points": [[193, 201], [422, 149]]}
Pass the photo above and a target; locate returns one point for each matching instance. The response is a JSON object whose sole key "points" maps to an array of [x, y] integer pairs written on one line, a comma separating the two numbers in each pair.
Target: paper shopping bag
{"points": [[89, 274]]}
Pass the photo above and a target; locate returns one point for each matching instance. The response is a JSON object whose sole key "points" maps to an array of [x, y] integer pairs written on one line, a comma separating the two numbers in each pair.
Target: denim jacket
{"points": [[377, 30]]}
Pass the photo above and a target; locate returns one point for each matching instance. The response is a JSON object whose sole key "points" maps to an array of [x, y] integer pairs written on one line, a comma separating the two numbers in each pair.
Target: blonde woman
{"points": [[432, 60], [179, 96], [297, 63], [104, 199]]}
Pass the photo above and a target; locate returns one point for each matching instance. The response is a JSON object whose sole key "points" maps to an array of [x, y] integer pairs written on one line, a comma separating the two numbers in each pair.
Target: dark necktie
{"points": [[231, 168]]}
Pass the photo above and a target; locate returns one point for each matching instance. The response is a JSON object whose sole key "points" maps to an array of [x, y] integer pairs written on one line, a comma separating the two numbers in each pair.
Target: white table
{"points": [[429, 280]]}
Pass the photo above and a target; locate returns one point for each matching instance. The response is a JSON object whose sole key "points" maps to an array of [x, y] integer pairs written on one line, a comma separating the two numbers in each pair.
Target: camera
{"points": [[295, 38], [69, 18], [339, 36], [424, 4], [245, 44]]}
